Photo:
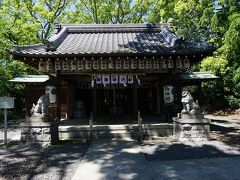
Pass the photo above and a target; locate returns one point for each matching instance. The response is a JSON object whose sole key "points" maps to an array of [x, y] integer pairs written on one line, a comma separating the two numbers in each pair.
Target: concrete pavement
{"points": [[113, 159], [122, 159]]}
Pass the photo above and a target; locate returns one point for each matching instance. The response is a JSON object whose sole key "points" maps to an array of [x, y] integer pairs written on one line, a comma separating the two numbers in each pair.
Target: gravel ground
{"points": [[54, 162], [12, 134], [221, 145]]}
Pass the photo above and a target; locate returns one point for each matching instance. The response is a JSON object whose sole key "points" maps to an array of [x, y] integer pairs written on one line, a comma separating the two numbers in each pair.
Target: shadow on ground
{"points": [[54, 162], [180, 151], [227, 135]]}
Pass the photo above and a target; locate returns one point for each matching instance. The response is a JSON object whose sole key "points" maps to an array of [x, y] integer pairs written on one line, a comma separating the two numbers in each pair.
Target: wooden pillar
{"points": [[94, 105], [27, 104], [135, 102], [200, 95], [58, 99], [158, 99]]}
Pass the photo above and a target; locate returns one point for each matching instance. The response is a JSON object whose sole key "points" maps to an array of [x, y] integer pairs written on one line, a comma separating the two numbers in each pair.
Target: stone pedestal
{"points": [[191, 127], [39, 133]]}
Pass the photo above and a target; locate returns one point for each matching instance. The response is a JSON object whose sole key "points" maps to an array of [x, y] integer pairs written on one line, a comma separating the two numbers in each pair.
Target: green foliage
{"points": [[217, 65], [107, 11]]}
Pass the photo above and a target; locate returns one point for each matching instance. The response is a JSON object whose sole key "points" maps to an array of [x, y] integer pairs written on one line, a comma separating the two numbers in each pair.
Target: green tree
{"points": [[107, 11]]}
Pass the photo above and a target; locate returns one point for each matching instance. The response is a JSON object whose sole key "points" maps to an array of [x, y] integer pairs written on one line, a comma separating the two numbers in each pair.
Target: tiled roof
{"points": [[117, 39]]}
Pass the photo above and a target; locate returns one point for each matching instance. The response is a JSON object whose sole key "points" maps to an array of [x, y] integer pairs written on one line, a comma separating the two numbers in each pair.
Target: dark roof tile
{"points": [[124, 39]]}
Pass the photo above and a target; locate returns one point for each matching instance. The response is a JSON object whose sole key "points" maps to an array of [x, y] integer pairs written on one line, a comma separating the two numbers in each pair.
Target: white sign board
{"points": [[6, 102]]}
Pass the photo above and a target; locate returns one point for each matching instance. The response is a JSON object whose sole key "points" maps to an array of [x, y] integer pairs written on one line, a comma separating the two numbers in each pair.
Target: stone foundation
{"points": [[191, 129], [39, 133]]}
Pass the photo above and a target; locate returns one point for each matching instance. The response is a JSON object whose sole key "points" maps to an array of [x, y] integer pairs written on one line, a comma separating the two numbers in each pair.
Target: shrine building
{"points": [[113, 70]]}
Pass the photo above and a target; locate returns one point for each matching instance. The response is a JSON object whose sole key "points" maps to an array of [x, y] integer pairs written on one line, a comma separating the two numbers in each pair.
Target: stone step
{"points": [[114, 131]]}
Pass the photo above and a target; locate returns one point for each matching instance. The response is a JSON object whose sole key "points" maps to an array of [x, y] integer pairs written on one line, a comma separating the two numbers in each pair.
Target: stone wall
{"points": [[191, 129], [39, 133]]}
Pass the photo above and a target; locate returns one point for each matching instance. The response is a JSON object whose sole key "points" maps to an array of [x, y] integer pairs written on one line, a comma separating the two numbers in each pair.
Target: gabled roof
{"points": [[114, 39]]}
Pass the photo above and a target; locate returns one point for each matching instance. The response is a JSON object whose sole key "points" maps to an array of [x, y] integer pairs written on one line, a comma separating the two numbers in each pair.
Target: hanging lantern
{"points": [[88, 64], [110, 64], [179, 62], [80, 65], [156, 64], [65, 65], [73, 65], [170, 63], [186, 63], [57, 65], [141, 64], [118, 64], [49, 65], [95, 64], [148, 64], [52, 93], [103, 64], [133, 63], [126, 64], [41, 66], [163, 63], [168, 94]]}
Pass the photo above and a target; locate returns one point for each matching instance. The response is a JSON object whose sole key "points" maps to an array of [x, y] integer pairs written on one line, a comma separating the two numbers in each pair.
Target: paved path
{"points": [[113, 159], [122, 159]]}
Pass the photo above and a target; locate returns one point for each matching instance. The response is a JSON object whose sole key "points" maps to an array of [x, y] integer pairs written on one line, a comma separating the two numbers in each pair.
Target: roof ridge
{"points": [[113, 27], [140, 25], [22, 47]]}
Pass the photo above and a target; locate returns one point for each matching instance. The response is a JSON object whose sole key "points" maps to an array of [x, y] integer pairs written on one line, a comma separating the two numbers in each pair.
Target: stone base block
{"points": [[39, 133], [191, 129]]}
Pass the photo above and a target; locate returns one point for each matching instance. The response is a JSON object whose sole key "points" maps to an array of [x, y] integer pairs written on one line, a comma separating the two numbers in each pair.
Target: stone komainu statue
{"points": [[189, 105], [41, 108]]}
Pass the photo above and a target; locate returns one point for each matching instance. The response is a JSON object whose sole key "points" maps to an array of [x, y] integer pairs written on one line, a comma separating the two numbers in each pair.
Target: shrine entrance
{"points": [[114, 101]]}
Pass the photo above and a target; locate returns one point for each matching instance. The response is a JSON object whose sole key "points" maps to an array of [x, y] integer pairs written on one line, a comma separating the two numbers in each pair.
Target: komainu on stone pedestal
{"points": [[190, 125], [39, 112], [39, 130], [189, 105]]}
